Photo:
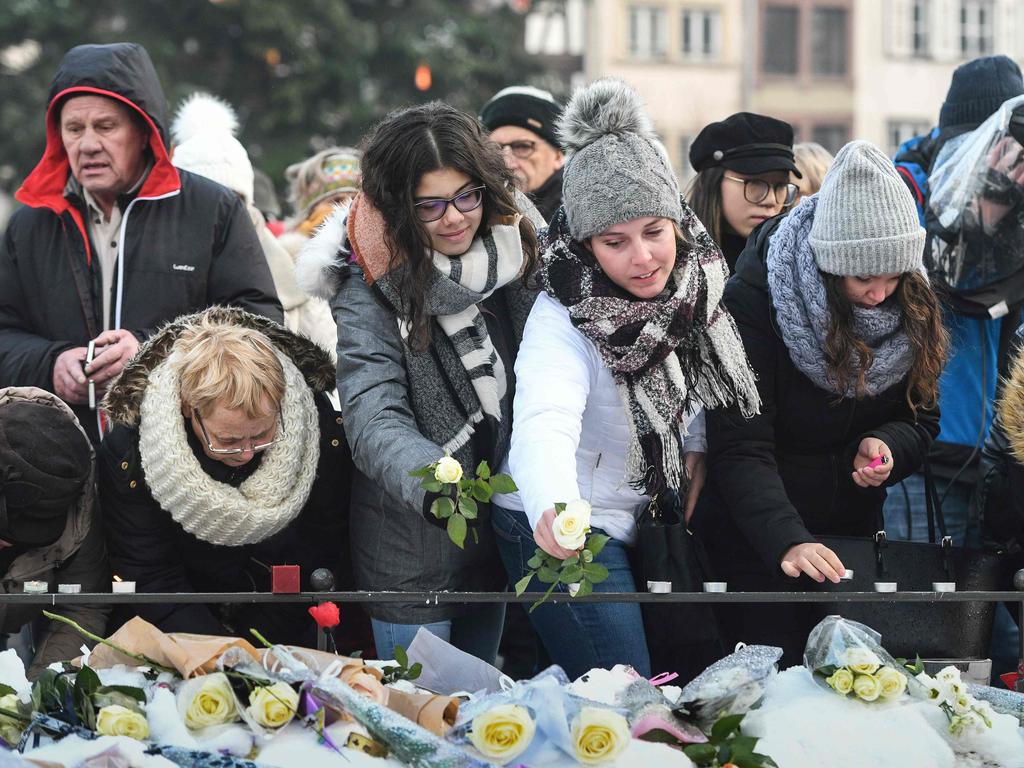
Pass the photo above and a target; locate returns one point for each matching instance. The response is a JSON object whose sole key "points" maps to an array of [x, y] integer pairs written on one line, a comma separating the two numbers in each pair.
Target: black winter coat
{"points": [[188, 242], [785, 475], [149, 547]]}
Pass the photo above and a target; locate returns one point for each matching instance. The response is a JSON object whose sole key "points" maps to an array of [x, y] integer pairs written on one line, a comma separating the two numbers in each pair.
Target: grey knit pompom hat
{"points": [[866, 222], [616, 170]]}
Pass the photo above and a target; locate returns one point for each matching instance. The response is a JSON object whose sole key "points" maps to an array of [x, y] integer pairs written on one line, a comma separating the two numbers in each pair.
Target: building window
{"points": [[701, 34], [899, 131], [919, 19], [828, 41], [779, 46], [976, 27], [831, 137], [647, 32]]}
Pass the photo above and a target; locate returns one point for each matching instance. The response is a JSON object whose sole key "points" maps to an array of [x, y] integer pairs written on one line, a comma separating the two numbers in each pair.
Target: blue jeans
{"points": [[578, 636], [956, 509], [476, 632]]}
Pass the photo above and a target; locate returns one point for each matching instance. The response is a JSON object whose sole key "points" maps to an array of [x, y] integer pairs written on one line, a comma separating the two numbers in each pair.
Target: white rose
{"points": [[273, 706], [116, 720], [213, 703], [10, 729], [574, 589], [448, 470], [861, 661], [571, 525], [503, 733], [892, 682], [841, 681], [867, 687], [599, 735]]}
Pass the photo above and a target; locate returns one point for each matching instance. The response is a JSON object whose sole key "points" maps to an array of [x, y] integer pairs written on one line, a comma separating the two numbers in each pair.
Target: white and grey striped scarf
{"points": [[459, 285]]}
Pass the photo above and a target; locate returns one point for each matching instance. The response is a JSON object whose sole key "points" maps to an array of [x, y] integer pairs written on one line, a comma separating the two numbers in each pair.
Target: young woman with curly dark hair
{"points": [[845, 336], [426, 276]]}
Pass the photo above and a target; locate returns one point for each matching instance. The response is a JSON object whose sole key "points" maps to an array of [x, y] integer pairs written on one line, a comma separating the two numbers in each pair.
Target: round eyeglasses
{"points": [[434, 208], [756, 190], [253, 447], [521, 149]]}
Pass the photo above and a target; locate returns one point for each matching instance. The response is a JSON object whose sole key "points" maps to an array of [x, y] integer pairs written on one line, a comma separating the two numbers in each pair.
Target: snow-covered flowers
{"points": [[212, 702], [116, 720], [599, 735], [502, 733]]}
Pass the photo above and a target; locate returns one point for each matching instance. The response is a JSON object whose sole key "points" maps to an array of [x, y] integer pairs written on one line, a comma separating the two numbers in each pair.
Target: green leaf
{"points": [[87, 682], [6, 689], [547, 575], [468, 508], [401, 656], [524, 582], [559, 507], [503, 484], [422, 472], [741, 745], [482, 491], [701, 754], [87, 712], [586, 588], [535, 561], [431, 485], [571, 574], [442, 508], [102, 699], [596, 543], [725, 728], [595, 572], [571, 560], [483, 471], [414, 671], [457, 529], [137, 694]]}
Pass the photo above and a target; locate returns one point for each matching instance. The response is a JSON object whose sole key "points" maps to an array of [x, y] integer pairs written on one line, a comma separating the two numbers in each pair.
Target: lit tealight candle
{"points": [[69, 589], [36, 587], [119, 586]]}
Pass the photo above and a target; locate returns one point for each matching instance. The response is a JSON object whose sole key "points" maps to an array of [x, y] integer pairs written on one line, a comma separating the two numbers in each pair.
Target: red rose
{"points": [[326, 615]]}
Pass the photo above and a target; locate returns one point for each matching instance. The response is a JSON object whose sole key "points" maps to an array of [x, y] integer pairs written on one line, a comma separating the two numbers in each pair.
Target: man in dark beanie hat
{"points": [[978, 89], [47, 511], [522, 120]]}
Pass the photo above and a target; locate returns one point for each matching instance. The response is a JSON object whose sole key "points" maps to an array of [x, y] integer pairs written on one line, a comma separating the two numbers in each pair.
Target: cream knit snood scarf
{"points": [[216, 512]]}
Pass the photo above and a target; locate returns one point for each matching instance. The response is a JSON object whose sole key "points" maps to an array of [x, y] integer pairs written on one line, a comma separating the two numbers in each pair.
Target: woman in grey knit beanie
{"points": [[621, 353], [845, 335]]}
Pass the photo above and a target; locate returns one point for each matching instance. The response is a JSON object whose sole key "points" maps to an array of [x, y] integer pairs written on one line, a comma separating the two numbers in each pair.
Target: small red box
{"points": [[285, 579]]}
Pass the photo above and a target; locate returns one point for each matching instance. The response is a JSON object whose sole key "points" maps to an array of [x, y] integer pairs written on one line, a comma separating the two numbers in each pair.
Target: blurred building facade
{"points": [[835, 69]]}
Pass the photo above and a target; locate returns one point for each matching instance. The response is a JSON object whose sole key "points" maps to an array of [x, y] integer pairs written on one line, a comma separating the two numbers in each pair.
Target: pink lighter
{"points": [[878, 461]]}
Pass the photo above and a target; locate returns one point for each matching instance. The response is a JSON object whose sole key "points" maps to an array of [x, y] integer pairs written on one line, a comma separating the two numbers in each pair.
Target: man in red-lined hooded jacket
{"points": [[113, 240]]}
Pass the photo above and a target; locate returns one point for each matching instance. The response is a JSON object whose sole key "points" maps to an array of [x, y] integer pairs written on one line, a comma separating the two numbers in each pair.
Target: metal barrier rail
{"points": [[437, 598]]}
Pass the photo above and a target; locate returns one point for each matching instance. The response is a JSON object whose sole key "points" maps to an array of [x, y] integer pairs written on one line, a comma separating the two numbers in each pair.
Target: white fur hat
{"points": [[203, 132]]}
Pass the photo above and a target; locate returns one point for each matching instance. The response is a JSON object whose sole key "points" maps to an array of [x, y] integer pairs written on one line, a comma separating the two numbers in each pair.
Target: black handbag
{"points": [[959, 630], [681, 637]]}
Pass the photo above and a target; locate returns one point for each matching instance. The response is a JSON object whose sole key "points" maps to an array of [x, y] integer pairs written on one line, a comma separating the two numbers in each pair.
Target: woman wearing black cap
{"points": [[743, 165]]}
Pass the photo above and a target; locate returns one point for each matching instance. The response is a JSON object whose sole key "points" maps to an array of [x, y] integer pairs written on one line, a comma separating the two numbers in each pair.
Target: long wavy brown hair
{"points": [[401, 148], [847, 358]]}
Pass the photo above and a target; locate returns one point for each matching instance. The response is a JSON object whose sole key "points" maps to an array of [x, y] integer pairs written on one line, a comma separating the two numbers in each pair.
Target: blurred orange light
{"points": [[422, 78], [272, 56]]}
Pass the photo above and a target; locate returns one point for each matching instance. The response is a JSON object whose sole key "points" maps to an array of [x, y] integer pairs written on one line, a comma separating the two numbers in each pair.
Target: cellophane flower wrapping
{"points": [[730, 686], [838, 648]]}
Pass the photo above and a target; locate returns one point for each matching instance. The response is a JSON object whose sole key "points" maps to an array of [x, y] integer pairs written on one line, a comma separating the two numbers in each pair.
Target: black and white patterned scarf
{"points": [[667, 354], [458, 286]]}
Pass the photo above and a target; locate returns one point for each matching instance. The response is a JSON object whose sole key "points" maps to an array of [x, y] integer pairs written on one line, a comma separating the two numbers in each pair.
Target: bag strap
{"points": [[933, 504]]}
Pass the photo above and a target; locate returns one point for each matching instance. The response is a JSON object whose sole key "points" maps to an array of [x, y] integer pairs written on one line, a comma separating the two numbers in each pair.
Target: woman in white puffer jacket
{"points": [[619, 356]]}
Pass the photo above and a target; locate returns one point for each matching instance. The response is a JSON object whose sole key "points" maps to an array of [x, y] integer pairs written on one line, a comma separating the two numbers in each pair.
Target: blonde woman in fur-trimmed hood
{"points": [[226, 458]]}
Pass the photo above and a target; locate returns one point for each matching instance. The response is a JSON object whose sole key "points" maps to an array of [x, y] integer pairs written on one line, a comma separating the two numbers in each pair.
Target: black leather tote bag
{"points": [[681, 637]]}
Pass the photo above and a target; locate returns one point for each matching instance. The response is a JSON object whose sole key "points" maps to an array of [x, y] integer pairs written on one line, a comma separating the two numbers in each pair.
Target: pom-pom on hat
{"points": [[204, 137], [617, 169], [865, 223]]}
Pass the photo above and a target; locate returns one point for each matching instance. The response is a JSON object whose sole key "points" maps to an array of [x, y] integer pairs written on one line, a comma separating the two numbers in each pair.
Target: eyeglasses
{"points": [[756, 190], [436, 207], [254, 447], [521, 149]]}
